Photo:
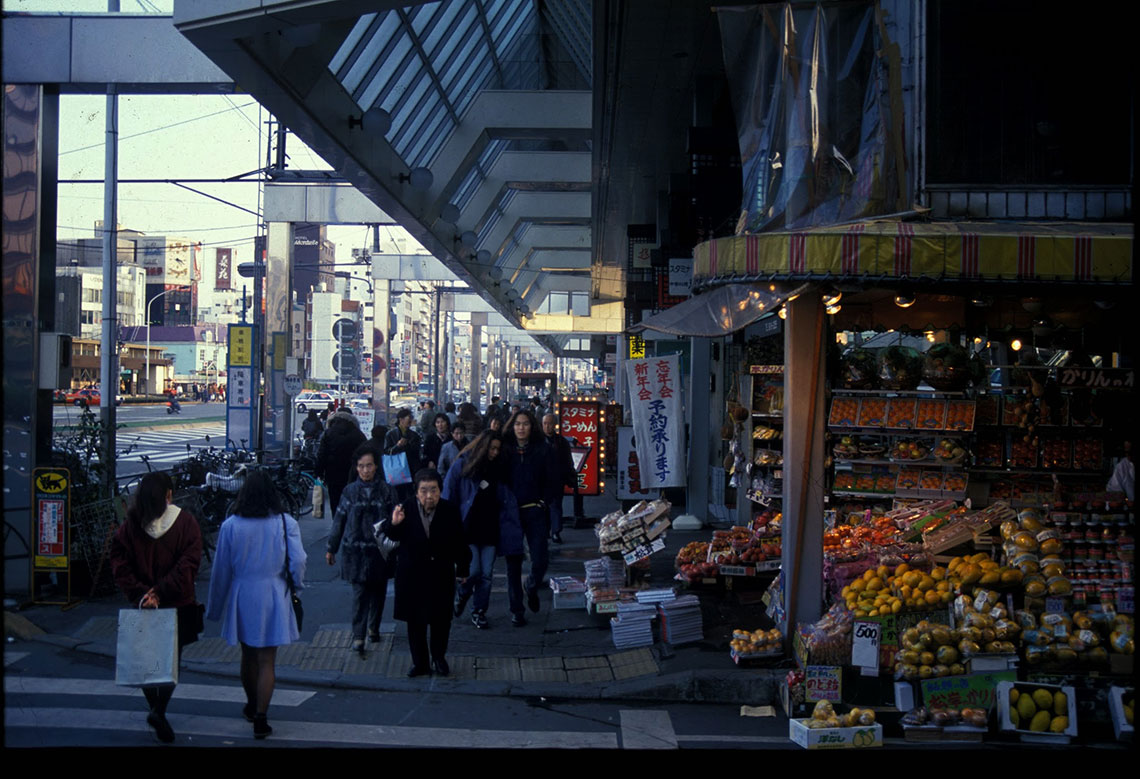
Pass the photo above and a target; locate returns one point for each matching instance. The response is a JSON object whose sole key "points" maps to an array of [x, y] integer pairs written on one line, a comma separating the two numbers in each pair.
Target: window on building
{"points": [[91, 295], [1039, 107]]}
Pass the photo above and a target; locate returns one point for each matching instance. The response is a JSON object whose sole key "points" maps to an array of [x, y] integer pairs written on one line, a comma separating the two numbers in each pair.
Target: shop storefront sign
{"points": [[823, 683], [581, 425], [680, 276], [973, 690], [629, 486], [655, 403], [1096, 378], [636, 347]]}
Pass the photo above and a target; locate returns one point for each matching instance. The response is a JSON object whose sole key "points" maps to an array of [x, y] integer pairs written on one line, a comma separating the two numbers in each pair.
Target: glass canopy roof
{"points": [[426, 63]]}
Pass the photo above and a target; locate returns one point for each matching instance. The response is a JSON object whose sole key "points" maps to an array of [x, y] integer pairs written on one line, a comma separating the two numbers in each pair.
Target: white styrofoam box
{"points": [[1124, 731], [569, 600], [1042, 737]]}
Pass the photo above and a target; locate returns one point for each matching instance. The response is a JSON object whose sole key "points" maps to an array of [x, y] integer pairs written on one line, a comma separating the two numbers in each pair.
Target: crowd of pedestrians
{"points": [[471, 488]]}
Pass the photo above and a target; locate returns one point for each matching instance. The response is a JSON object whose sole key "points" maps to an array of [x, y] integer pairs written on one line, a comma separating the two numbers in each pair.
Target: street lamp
{"points": [[148, 305]]}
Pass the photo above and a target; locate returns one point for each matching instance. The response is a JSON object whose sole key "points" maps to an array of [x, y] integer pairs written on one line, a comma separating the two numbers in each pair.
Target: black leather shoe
{"points": [[261, 727], [162, 730], [532, 599], [556, 538], [417, 671], [479, 620], [518, 620], [442, 668]]}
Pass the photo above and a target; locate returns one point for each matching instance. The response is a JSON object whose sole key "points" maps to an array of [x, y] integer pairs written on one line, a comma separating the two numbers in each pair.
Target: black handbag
{"points": [[298, 607]]}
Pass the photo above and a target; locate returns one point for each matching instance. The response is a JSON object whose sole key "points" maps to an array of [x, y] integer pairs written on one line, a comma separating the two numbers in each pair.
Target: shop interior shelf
{"points": [[883, 393], [869, 495]]}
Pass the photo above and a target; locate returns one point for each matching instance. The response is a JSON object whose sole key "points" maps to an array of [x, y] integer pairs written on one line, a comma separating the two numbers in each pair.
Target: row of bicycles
{"points": [[207, 482]]}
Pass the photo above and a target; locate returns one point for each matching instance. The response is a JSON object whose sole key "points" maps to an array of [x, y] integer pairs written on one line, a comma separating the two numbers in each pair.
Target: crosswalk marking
{"points": [[34, 685], [318, 732], [647, 730]]}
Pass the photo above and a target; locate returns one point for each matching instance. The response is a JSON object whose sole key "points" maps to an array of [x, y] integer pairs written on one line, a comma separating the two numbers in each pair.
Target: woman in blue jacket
{"points": [[475, 482]]}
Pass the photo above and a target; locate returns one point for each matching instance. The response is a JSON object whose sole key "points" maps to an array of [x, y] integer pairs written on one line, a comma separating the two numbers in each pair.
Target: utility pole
{"points": [[109, 355]]}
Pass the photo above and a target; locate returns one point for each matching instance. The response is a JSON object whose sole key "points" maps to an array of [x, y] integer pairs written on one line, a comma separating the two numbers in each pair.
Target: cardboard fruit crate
{"points": [[835, 738]]}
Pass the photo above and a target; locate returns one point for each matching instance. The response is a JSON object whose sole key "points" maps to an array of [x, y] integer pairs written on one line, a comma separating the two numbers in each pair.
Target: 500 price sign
{"points": [[865, 644]]}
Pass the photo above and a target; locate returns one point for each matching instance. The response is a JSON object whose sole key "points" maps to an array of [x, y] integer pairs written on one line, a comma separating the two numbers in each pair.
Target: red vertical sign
{"points": [[581, 425]]}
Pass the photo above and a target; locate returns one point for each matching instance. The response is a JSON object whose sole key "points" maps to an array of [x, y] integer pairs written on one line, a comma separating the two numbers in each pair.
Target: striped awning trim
{"points": [[959, 251]]}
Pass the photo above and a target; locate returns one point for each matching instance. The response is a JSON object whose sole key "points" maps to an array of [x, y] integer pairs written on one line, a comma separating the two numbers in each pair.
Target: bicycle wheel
{"points": [[302, 487]]}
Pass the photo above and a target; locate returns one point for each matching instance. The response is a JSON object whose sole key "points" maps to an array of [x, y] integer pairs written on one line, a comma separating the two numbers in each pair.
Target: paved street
{"points": [[59, 697]]}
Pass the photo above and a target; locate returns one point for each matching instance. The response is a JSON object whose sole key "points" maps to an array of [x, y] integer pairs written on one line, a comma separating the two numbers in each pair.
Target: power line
{"points": [[156, 129]]}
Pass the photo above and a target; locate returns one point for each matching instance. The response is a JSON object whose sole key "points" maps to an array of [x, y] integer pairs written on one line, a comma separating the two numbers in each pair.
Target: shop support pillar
{"points": [[804, 377], [700, 432]]}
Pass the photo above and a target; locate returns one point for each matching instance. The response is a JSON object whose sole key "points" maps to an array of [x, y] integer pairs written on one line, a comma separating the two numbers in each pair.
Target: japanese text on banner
{"points": [[655, 403]]}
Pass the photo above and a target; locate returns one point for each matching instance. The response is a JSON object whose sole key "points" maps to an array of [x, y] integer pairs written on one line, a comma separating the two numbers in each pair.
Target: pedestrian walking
{"points": [[563, 465], [432, 556], [490, 519], [450, 451], [532, 480], [334, 455], [452, 416], [435, 440], [249, 594], [406, 439], [363, 503], [155, 556]]}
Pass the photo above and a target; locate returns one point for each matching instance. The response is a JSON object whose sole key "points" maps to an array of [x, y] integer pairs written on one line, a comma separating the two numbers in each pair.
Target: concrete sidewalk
{"points": [[560, 653]]}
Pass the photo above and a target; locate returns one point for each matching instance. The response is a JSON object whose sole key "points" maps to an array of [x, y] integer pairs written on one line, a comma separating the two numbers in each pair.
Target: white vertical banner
{"points": [[655, 403]]}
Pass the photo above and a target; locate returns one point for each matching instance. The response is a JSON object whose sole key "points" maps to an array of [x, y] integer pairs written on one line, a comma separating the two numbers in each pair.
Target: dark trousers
{"points": [[418, 641], [579, 510], [367, 607], [514, 583], [556, 515], [536, 528]]}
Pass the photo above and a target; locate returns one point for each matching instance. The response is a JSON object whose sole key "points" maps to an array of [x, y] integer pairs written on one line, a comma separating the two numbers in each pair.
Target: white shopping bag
{"points": [[147, 652], [318, 500]]}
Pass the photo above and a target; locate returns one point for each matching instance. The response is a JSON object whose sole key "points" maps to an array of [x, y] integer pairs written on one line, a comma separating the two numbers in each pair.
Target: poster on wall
{"points": [[52, 496], [581, 426], [629, 485], [655, 404]]}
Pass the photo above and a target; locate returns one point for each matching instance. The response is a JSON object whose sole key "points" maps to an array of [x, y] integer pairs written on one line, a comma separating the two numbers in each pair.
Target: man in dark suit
{"points": [[433, 554]]}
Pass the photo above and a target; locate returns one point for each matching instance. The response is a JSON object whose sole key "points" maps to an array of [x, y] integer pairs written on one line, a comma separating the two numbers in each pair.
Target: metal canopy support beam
{"points": [[86, 53], [538, 207], [339, 204], [521, 168]]}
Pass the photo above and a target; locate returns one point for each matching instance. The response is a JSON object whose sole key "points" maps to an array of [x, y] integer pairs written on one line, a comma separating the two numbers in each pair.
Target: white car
{"points": [[313, 400]]}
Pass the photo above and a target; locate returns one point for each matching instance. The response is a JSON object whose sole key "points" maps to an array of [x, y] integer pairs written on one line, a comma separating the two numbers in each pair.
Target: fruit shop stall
{"points": [[972, 552]]}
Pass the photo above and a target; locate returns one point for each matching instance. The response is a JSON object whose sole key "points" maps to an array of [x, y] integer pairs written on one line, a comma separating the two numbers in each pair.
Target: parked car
{"points": [[88, 397], [314, 400]]}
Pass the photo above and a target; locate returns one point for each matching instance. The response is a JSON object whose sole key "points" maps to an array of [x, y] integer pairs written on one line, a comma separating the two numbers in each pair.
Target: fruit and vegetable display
{"points": [[946, 367], [946, 717], [900, 368], [859, 369], [756, 643], [825, 716], [1040, 709], [949, 451]]}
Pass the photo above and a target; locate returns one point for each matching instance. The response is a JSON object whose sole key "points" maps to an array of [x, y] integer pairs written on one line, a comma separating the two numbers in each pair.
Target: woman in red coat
{"points": [[155, 557]]}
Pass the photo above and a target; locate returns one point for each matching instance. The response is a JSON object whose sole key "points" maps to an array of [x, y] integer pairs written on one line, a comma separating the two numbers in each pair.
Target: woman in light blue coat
{"points": [[248, 592]]}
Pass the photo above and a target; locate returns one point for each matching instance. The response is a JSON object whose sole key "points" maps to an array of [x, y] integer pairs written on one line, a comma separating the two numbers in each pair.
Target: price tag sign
{"points": [[865, 644], [1053, 605], [1124, 600], [823, 683]]}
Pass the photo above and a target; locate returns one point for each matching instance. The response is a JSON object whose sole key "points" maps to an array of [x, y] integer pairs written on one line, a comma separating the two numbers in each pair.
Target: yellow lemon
{"points": [[1043, 698], [1040, 722], [1060, 703], [1058, 724]]}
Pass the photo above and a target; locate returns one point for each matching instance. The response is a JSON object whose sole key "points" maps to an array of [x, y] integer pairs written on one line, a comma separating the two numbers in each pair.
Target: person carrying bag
{"points": [[155, 556]]}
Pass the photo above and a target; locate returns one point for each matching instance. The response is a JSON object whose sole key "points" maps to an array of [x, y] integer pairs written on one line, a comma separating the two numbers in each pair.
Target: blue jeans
{"points": [[536, 529], [479, 582]]}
